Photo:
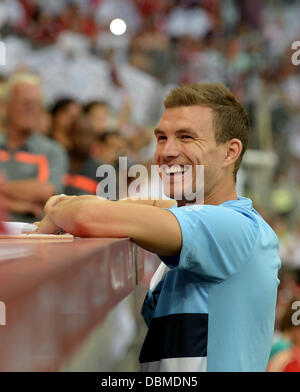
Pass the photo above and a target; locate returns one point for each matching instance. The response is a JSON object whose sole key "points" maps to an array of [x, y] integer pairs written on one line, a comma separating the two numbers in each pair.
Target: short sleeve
{"points": [[216, 240]]}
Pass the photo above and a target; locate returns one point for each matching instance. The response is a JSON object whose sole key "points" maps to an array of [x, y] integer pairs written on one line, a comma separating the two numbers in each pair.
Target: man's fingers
{"points": [[37, 223], [54, 200], [37, 211], [46, 226]]}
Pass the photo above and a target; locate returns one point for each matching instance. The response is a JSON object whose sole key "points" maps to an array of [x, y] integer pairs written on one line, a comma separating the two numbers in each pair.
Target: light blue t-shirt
{"points": [[212, 308]]}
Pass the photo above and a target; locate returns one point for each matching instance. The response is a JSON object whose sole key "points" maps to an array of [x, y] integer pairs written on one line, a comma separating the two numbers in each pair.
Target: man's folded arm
{"points": [[30, 190], [155, 229], [161, 203], [22, 207]]}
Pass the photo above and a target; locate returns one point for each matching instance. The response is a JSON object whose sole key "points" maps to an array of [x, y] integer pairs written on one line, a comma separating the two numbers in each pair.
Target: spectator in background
{"points": [[81, 178], [109, 147], [98, 114], [64, 112], [31, 165], [2, 104], [44, 123], [286, 350], [290, 247]]}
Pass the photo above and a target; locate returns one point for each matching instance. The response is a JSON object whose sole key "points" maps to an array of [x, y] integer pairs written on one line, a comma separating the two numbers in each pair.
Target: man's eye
{"points": [[186, 137], [161, 138]]}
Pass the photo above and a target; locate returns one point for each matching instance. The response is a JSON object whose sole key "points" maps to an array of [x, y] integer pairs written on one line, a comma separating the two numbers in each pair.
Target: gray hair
{"points": [[18, 78]]}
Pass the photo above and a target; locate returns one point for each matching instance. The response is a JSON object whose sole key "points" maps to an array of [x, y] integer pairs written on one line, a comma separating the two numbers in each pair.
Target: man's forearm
{"points": [[161, 203], [30, 190], [153, 228], [22, 207]]}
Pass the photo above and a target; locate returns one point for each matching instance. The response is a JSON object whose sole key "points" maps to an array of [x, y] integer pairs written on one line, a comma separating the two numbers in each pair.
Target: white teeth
{"points": [[174, 169]]}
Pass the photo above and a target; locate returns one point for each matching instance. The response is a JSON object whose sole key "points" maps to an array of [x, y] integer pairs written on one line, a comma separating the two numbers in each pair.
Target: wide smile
{"points": [[174, 170]]}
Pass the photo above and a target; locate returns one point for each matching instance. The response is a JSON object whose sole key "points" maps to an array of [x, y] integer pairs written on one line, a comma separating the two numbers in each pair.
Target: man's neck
{"points": [[62, 136], [216, 199], [221, 193], [16, 137], [77, 160], [60, 130]]}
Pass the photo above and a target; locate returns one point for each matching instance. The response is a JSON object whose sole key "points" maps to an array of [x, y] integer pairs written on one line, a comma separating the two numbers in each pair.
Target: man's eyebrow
{"points": [[186, 130], [158, 131]]}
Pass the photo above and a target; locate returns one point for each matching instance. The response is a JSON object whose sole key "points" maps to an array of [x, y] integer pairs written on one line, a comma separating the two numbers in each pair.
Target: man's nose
{"points": [[170, 149]]}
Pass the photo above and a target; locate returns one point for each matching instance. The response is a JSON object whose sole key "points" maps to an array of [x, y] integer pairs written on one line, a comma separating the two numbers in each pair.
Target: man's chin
{"points": [[26, 129], [178, 196]]}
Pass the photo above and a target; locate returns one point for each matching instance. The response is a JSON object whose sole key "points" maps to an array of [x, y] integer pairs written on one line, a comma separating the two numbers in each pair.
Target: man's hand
{"points": [[47, 225], [53, 200], [22, 206], [30, 190]]}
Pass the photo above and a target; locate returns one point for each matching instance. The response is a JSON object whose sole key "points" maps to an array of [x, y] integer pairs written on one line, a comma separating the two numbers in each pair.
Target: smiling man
{"points": [[211, 303]]}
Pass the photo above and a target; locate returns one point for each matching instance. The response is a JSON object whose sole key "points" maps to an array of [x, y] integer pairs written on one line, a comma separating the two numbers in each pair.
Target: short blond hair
{"points": [[230, 118], [18, 78]]}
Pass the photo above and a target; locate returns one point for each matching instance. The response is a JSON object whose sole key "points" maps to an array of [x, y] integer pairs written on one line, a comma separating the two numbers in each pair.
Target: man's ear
{"points": [[233, 151]]}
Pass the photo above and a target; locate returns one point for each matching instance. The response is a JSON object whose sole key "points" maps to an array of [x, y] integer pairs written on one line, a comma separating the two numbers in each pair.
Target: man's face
{"points": [[83, 138], [98, 116], [66, 116], [185, 136], [24, 106]]}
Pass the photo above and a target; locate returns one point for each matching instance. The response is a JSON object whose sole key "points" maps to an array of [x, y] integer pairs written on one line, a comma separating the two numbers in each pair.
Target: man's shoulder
{"points": [[88, 169], [91, 164], [3, 138], [38, 143], [233, 216], [241, 206]]}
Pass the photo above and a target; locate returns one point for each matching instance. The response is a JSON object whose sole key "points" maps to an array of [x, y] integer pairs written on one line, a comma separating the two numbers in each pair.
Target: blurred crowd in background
{"points": [[99, 96]]}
